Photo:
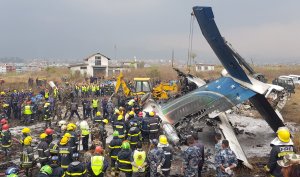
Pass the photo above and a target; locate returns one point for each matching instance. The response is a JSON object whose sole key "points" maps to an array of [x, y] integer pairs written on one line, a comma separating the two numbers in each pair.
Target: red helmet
{"points": [[141, 114], [49, 131], [99, 149], [3, 121], [5, 127]]}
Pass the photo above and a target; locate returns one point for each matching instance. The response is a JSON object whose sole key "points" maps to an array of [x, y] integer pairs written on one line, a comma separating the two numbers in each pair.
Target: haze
{"points": [[264, 31]]}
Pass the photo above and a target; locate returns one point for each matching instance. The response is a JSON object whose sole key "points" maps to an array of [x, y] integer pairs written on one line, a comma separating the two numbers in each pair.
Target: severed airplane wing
{"points": [[205, 18]]}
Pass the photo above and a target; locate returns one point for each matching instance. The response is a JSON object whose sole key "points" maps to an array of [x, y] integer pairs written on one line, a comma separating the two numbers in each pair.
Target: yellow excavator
{"points": [[143, 86]]}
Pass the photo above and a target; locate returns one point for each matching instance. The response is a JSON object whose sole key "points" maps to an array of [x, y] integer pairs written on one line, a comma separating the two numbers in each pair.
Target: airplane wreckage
{"points": [[207, 102]]}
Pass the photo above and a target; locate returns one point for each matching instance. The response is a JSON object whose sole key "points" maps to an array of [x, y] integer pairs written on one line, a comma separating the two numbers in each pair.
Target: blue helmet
{"points": [[11, 170]]}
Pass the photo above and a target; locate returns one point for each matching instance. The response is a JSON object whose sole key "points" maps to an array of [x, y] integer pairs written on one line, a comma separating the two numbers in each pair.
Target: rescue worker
{"points": [[129, 116], [71, 129], [28, 118], [85, 134], [225, 160], [57, 171], [47, 114], [119, 126], [5, 139], [95, 106], [98, 164], [153, 125], [45, 171], [201, 147], [114, 149], [191, 158], [282, 145], [98, 118], [145, 128], [156, 158], [168, 152], [218, 145], [43, 150], [76, 168], [27, 156], [25, 132], [74, 110], [65, 151], [62, 125], [104, 107], [138, 161], [49, 133], [134, 135], [123, 159], [12, 172]]}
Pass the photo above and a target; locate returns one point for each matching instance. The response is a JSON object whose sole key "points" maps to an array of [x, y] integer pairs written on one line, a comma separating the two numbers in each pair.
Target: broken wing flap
{"points": [[234, 144]]}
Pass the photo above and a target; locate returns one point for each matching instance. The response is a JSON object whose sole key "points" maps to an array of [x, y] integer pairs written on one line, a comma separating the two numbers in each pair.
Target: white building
{"points": [[204, 67], [95, 65]]}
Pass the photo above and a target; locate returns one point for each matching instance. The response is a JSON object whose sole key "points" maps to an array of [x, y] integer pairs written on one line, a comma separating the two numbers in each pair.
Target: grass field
{"points": [[164, 73]]}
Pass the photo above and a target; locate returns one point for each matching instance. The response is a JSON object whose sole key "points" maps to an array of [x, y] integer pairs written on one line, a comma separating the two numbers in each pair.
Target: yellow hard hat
{"points": [[43, 135], [2, 93], [130, 103], [131, 113], [64, 141], [5, 105], [98, 113], [71, 126], [163, 139], [68, 135], [26, 130], [27, 140], [120, 117], [284, 134], [117, 111], [151, 114], [105, 121]]}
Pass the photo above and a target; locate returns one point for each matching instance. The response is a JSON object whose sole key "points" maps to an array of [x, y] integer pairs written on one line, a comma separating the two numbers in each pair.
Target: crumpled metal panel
{"points": [[217, 96]]}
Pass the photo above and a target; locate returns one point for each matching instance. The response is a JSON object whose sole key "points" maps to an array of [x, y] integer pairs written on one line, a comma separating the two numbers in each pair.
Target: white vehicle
{"points": [[296, 78]]}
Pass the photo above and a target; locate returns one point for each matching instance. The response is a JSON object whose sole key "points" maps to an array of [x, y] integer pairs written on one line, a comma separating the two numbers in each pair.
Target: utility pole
{"points": [[172, 58]]}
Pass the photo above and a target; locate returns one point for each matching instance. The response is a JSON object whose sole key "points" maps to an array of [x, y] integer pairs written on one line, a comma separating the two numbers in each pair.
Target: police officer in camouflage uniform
{"points": [[191, 158], [156, 159], [225, 161]]}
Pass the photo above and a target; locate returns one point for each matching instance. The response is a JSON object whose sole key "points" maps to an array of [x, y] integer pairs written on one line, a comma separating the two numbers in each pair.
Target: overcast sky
{"points": [[267, 31]]}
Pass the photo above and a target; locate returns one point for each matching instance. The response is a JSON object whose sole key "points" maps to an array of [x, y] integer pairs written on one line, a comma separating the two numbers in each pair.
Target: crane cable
{"points": [[190, 48]]}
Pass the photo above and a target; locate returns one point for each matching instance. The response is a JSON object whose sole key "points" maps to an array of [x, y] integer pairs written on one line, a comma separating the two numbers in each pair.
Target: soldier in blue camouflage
{"points": [[225, 161], [156, 158], [191, 158]]}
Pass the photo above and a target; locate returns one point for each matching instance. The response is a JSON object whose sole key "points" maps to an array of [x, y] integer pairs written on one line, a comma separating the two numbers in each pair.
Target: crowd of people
{"points": [[138, 146]]}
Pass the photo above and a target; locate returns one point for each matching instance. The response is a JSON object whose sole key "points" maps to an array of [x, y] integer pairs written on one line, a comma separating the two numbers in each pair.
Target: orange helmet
{"points": [[99, 149]]}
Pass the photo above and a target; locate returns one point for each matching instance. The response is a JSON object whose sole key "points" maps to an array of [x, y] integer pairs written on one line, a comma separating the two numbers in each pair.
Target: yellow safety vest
{"points": [[139, 158], [55, 92], [27, 110], [93, 88], [85, 132], [46, 94], [98, 87], [97, 164], [95, 103]]}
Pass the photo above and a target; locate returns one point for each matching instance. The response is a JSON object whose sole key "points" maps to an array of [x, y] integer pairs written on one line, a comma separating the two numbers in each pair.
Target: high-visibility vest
{"points": [[27, 110], [95, 103], [139, 158], [55, 92], [46, 94], [93, 88], [98, 87], [97, 164], [85, 132]]}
